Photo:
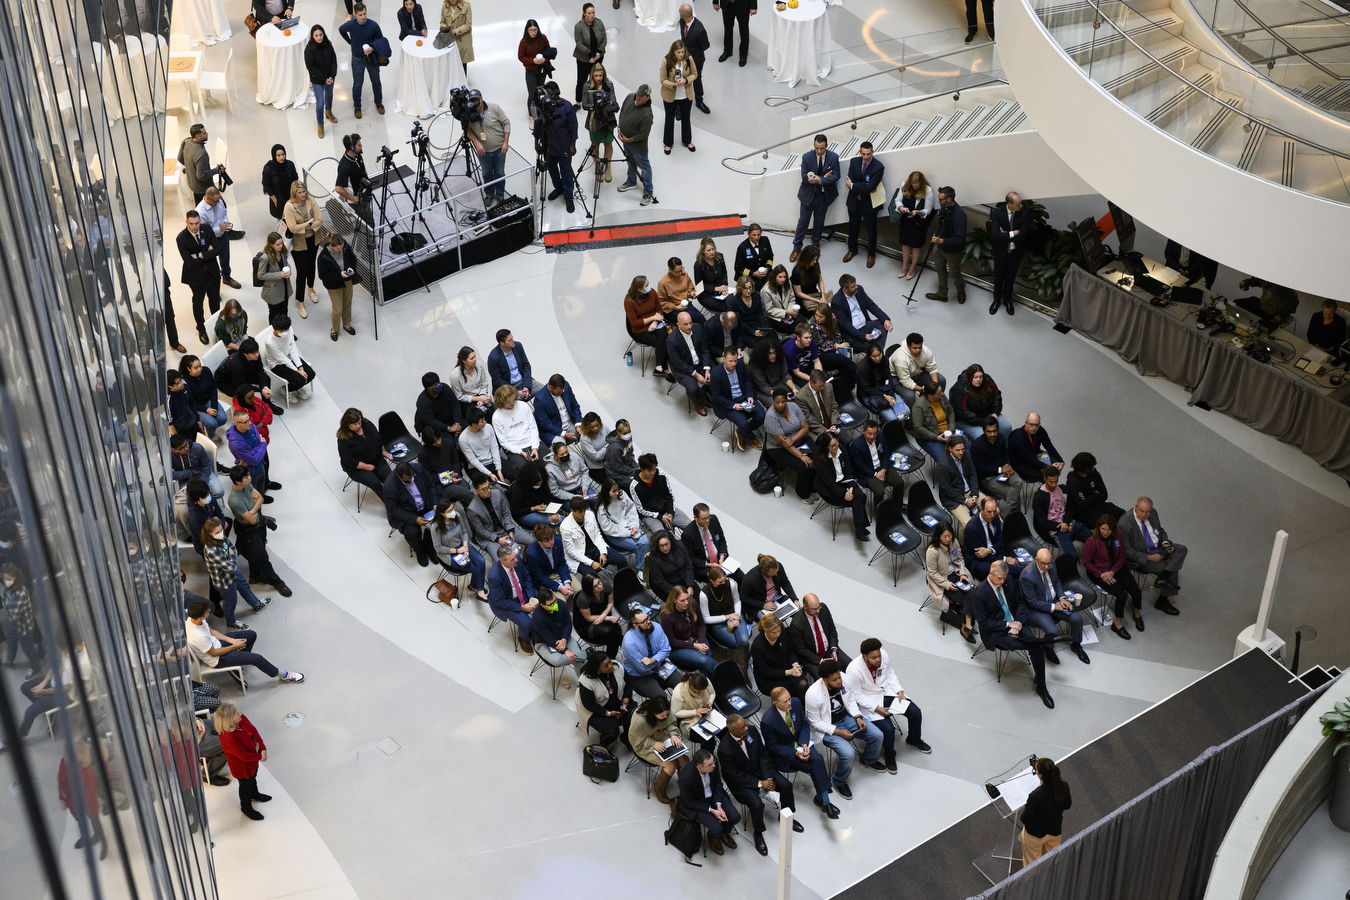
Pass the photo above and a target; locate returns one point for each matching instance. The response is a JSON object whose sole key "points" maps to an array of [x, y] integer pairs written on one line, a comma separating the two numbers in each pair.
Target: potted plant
{"points": [[1045, 271], [979, 251], [1337, 724]]}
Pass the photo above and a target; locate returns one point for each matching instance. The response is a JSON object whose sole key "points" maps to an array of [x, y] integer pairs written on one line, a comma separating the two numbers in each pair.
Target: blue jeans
{"points": [[935, 449], [229, 597], [494, 169], [636, 546], [639, 160], [893, 412], [209, 422], [692, 660], [323, 100], [476, 568], [560, 169], [975, 432], [360, 68], [719, 635], [845, 750], [246, 657], [1065, 539], [529, 520]]}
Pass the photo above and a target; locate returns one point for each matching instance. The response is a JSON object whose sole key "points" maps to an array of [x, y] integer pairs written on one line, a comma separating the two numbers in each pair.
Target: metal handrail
{"points": [[1242, 113], [768, 101], [853, 120], [1294, 50]]}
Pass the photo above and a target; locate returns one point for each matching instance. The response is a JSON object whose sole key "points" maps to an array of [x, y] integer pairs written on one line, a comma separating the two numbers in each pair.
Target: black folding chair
{"points": [[1017, 535], [898, 441], [1066, 567], [728, 682], [629, 594], [922, 504], [393, 431], [896, 537]]}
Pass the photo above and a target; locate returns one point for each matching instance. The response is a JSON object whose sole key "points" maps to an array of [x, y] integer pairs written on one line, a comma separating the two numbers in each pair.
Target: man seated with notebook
{"points": [[836, 718], [747, 770], [646, 658], [877, 692]]}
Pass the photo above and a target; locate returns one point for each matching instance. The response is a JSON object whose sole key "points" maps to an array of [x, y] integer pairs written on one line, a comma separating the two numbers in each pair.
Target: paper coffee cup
{"points": [[726, 446], [777, 491]]}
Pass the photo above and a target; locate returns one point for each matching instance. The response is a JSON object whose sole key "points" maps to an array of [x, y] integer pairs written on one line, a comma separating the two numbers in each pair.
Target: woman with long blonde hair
{"points": [[608, 109], [912, 205]]}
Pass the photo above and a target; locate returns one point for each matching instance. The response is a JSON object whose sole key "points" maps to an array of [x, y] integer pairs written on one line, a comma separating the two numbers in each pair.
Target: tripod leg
{"points": [[918, 275]]}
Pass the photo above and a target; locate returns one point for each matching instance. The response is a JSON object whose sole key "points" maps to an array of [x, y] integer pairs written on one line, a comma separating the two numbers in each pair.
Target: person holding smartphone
{"points": [[833, 714]]}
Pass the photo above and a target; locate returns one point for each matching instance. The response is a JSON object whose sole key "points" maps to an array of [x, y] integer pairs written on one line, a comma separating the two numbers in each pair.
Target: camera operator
{"points": [[590, 38], [602, 110], [635, 126], [535, 53], [353, 184], [555, 132], [949, 244], [489, 131], [196, 162]]}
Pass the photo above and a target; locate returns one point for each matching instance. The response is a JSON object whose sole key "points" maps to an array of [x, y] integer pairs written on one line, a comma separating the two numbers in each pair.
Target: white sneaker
{"points": [[292, 677]]}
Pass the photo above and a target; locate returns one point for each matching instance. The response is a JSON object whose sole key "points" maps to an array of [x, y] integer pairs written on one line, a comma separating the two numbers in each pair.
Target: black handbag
{"points": [[684, 835], [954, 613], [598, 764], [764, 479]]}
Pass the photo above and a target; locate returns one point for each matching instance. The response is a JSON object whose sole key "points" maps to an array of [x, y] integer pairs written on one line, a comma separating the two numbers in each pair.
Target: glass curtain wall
{"points": [[100, 782]]}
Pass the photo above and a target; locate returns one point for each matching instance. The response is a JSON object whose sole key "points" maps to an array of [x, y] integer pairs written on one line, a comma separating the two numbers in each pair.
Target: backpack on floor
{"points": [[764, 479], [684, 835]]}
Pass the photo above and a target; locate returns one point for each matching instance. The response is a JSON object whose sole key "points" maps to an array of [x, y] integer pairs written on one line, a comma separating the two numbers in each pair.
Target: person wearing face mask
{"points": [[21, 625], [567, 477], [620, 457], [551, 631], [438, 408], [453, 549], [620, 524]]}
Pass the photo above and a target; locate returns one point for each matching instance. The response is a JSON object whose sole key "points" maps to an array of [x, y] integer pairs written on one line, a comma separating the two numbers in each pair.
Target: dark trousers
{"points": [[360, 69], [735, 13], [305, 261], [170, 323], [715, 826], [38, 704], [1035, 651], [223, 254], [746, 421], [795, 686], [1170, 565], [652, 685], [815, 766], [584, 72], [698, 82], [246, 657], [248, 792], [607, 634], [988, 13], [806, 475], [611, 729], [692, 389], [296, 380], [1005, 274], [534, 80], [914, 722], [207, 288], [844, 371], [1123, 588], [755, 804], [860, 215], [654, 339], [1253, 306], [252, 543], [1047, 622], [817, 208], [560, 170], [374, 479], [31, 643], [418, 539], [678, 109]]}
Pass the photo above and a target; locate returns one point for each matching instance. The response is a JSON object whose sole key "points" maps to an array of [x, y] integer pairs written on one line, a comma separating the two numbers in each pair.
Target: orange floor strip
{"points": [[646, 233]]}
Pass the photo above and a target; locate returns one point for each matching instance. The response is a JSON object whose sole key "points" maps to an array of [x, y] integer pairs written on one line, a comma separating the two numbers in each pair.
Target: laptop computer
{"points": [[1149, 285]]}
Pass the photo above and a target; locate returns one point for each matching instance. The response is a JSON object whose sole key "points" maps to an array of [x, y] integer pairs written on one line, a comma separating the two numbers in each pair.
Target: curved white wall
{"points": [[1237, 218]]}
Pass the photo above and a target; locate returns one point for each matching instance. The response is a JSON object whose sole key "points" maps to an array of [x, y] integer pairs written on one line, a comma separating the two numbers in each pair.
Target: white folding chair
{"points": [[220, 81]]}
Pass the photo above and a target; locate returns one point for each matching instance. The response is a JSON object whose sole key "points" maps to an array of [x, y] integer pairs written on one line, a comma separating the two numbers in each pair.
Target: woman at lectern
{"points": [[1043, 816]]}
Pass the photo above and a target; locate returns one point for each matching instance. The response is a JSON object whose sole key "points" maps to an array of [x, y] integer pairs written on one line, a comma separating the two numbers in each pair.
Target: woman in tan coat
{"points": [[678, 74], [305, 221], [945, 567], [457, 18], [653, 728], [691, 700]]}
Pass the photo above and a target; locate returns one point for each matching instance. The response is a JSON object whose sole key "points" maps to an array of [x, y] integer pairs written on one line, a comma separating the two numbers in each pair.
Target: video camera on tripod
{"points": [[603, 107], [464, 105]]}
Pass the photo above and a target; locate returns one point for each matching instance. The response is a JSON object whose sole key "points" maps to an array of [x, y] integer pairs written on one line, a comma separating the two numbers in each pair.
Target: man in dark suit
{"points": [[1147, 549], [787, 737], [409, 498], [1039, 604], [1007, 232], [689, 362], [746, 770], [733, 396], [201, 270], [696, 43], [958, 483], [872, 461], [1025, 446], [511, 594], [819, 188], [991, 608], [548, 412], [982, 540], [735, 11], [703, 799], [706, 543], [858, 316], [723, 332], [864, 177], [508, 364], [814, 636]]}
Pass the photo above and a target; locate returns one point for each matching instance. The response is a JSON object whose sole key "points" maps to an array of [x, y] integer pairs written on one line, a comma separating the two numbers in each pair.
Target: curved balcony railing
{"points": [[1217, 107]]}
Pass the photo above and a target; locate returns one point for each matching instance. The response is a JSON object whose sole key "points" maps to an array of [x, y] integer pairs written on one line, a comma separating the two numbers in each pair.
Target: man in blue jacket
{"points": [[361, 33], [560, 136], [190, 460], [819, 188], [982, 541], [872, 462], [859, 319], [508, 364], [787, 737], [547, 563], [1039, 604], [733, 396], [557, 412], [864, 177], [949, 246], [511, 594]]}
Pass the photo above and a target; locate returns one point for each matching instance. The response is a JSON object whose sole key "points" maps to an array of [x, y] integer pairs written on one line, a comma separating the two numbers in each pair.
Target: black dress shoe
{"points": [[797, 826], [422, 559], [993, 308], [1009, 307], [262, 798], [1044, 694], [703, 108], [921, 746], [1138, 623], [742, 62], [274, 485], [283, 588], [1079, 652], [1166, 606], [970, 35], [1050, 655], [724, 57], [862, 535], [761, 847], [219, 780], [267, 499], [1121, 632]]}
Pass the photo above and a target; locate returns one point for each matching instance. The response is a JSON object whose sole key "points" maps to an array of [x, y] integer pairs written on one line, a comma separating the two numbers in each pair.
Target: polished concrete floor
{"points": [[481, 787]]}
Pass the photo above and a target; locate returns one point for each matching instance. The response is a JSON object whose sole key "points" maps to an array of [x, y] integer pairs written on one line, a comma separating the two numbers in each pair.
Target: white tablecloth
{"points": [[426, 75], [799, 41], [204, 21], [138, 70], [283, 80], [657, 15]]}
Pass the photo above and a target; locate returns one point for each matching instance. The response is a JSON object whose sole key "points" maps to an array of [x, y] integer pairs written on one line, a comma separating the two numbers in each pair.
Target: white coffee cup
{"points": [[726, 446], [777, 491]]}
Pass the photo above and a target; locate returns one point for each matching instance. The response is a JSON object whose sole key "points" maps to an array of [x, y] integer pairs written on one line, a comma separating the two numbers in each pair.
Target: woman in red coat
{"points": [[1104, 558], [85, 806], [244, 749], [259, 413]]}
